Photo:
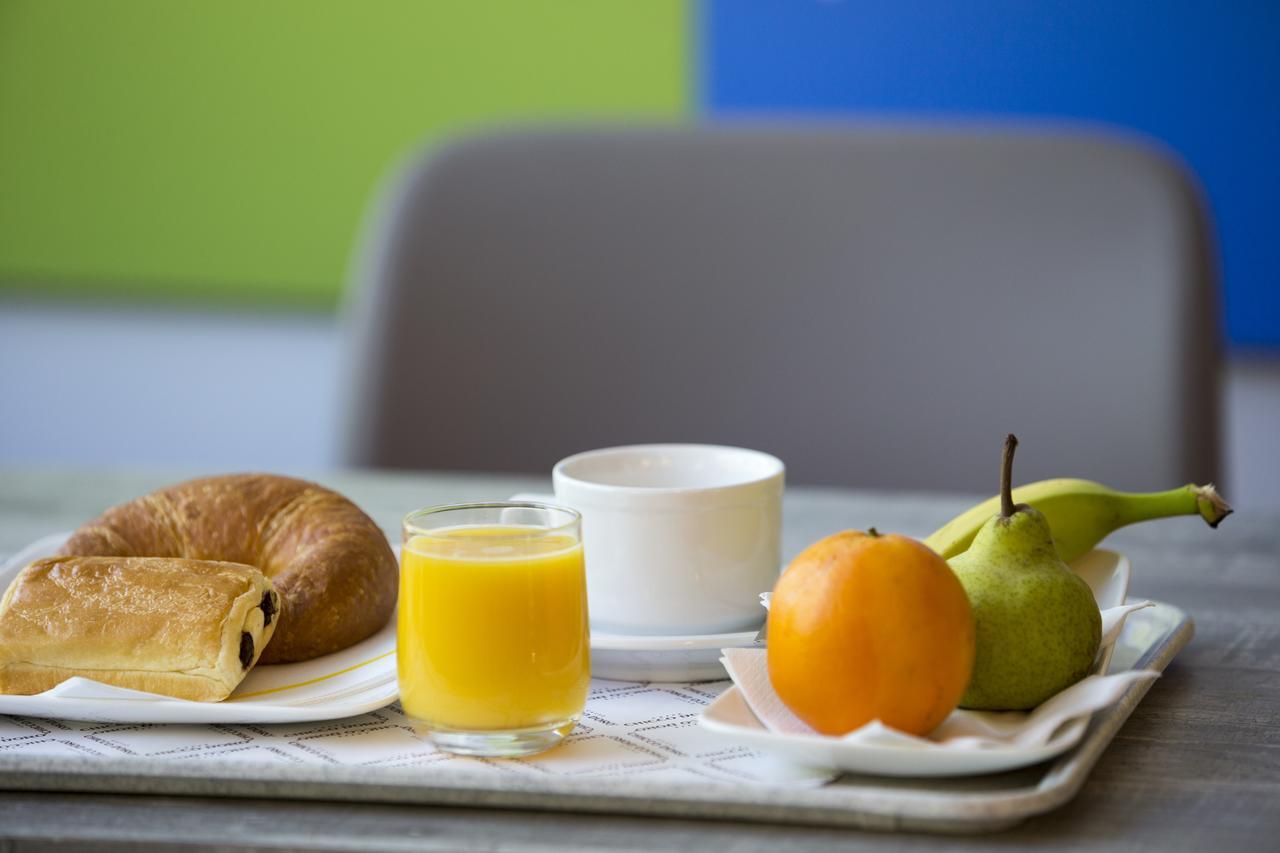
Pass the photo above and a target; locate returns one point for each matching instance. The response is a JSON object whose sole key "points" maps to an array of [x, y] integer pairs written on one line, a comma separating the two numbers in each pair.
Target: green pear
{"points": [[1037, 623]]}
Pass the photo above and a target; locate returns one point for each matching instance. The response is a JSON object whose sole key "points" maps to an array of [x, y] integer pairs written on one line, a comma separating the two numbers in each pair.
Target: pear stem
{"points": [[1006, 476]]}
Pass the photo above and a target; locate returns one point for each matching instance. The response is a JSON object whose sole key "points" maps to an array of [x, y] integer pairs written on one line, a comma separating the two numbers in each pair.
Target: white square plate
{"points": [[1107, 574]]}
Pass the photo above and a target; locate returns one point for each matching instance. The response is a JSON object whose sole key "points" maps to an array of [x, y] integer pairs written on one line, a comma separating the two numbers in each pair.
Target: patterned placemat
{"points": [[647, 731]]}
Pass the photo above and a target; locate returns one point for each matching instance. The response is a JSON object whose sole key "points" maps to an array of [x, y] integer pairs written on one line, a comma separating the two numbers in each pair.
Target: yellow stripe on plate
{"points": [[315, 680]]}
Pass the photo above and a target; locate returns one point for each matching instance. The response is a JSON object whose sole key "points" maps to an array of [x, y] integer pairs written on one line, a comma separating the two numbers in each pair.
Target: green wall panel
{"points": [[228, 149]]}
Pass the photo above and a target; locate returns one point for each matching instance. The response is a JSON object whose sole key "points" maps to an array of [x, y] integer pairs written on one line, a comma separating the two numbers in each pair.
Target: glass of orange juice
{"points": [[493, 647]]}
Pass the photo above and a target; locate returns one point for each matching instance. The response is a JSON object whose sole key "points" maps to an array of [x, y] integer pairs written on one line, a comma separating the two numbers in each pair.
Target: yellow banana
{"points": [[1081, 513]]}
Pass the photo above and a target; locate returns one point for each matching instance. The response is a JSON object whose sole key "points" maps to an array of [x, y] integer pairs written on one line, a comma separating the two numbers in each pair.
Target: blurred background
{"points": [[183, 186]]}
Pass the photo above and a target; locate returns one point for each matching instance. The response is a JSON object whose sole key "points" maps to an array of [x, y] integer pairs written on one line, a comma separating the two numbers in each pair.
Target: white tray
{"points": [[1150, 640], [354, 681]]}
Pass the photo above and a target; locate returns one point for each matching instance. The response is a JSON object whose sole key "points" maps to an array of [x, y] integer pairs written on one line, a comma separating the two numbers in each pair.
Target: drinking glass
{"points": [[493, 645]]}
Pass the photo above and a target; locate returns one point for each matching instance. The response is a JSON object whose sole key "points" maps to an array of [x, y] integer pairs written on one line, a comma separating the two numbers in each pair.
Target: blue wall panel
{"points": [[1204, 77]]}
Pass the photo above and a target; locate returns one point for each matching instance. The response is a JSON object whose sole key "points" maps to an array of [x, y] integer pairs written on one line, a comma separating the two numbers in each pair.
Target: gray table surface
{"points": [[1197, 765]]}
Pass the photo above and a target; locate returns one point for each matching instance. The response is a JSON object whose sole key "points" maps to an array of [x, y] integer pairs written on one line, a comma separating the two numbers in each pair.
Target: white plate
{"points": [[629, 657], [1107, 574], [354, 681]]}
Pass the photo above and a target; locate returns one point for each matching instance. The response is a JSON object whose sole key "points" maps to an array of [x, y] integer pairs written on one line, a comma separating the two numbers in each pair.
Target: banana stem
{"points": [[1211, 505], [1186, 500]]}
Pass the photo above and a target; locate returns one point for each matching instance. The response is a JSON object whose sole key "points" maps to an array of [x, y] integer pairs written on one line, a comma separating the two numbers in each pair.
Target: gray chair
{"points": [[878, 307]]}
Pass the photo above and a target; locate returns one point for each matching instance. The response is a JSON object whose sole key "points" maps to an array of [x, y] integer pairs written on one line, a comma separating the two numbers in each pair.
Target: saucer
{"points": [[639, 657]]}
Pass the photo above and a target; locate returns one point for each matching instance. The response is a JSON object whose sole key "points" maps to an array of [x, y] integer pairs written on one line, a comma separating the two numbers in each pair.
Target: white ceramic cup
{"points": [[678, 538]]}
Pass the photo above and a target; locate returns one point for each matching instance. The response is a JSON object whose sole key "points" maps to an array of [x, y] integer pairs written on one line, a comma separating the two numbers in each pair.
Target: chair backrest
{"points": [[878, 307]]}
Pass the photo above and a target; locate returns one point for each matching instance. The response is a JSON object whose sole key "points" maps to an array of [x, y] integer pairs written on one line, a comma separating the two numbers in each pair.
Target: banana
{"points": [[1081, 513]]}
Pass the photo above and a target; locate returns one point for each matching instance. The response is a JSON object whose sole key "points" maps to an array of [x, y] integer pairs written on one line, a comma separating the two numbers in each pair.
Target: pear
{"points": [[1037, 623]]}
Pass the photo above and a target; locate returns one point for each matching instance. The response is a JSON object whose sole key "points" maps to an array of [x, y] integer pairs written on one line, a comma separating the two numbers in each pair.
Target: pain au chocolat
{"points": [[332, 566], [184, 628]]}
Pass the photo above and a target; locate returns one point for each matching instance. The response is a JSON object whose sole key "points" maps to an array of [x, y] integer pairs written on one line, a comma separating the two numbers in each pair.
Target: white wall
{"points": [[1251, 432], [139, 386], [126, 386]]}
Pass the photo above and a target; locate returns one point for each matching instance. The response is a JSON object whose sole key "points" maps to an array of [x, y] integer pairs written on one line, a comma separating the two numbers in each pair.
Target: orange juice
{"points": [[493, 628]]}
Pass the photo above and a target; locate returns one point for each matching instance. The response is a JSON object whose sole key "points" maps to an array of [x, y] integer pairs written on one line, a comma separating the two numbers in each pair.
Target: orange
{"points": [[865, 627]]}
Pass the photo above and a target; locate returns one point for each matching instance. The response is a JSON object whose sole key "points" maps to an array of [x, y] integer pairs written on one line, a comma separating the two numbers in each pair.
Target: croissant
{"points": [[331, 565]]}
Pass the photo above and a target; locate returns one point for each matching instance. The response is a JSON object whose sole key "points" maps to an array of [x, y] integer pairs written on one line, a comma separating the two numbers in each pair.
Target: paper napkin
{"points": [[962, 729]]}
